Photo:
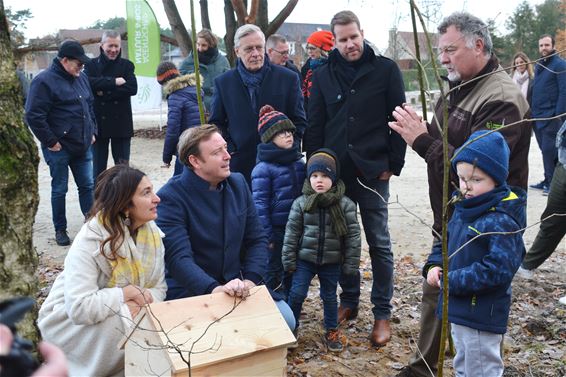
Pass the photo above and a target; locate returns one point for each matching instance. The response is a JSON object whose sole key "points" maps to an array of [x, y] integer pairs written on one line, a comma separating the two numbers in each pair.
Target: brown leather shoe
{"points": [[381, 333], [346, 314]]}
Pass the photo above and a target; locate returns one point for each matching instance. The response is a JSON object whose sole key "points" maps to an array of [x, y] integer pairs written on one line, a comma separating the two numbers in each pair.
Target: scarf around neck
{"points": [[252, 80], [522, 79], [207, 56], [331, 200], [472, 208], [270, 152]]}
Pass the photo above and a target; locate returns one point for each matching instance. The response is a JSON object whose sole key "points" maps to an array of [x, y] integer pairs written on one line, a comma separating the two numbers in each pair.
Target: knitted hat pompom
{"points": [[272, 122]]}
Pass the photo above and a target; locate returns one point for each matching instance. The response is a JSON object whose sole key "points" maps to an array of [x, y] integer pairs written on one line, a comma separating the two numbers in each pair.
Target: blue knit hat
{"points": [[490, 154], [324, 160]]}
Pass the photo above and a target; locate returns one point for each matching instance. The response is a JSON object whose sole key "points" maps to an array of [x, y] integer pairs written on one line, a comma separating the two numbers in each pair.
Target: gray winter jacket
{"points": [[311, 237]]}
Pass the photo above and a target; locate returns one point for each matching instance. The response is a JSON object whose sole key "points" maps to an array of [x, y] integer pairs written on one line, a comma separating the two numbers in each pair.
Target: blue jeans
{"points": [[275, 277], [545, 133], [120, 152], [81, 167], [373, 211], [328, 275]]}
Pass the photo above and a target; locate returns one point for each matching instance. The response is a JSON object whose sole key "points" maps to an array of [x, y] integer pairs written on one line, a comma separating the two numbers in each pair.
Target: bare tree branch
{"points": [[280, 18], [241, 12]]}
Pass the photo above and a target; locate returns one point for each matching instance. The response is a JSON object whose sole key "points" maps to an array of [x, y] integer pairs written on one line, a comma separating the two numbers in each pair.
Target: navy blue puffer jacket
{"points": [[275, 187], [182, 111]]}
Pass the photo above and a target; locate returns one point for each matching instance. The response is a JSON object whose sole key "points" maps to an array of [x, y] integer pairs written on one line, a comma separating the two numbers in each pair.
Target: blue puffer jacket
{"points": [[182, 111], [480, 274], [59, 108], [275, 186], [549, 88]]}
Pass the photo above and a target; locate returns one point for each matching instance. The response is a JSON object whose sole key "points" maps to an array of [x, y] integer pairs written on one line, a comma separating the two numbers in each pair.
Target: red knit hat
{"points": [[166, 71], [271, 122], [322, 39]]}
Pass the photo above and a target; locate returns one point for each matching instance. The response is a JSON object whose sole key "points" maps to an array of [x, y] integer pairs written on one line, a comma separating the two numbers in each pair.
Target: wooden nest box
{"points": [[228, 336]]}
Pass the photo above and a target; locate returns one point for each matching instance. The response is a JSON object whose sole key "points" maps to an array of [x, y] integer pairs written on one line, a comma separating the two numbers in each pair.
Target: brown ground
{"points": [[535, 342]]}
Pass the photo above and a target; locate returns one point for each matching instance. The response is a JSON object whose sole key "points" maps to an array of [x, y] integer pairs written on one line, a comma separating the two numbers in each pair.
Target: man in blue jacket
{"points": [[214, 240], [242, 91], [59, 111], [113, 84], [549, 100]]}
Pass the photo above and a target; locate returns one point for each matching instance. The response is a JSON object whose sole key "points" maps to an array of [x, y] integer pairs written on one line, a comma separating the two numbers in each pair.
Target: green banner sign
{"points": [[143, 37]]}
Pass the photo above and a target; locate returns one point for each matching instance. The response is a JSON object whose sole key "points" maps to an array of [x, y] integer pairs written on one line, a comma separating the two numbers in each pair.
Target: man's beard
{"points": [[453, 75]]}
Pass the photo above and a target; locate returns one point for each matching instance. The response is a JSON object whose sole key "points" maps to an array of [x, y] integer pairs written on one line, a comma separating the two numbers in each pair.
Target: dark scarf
{"points": [[207, 56], [346, 71], [252, 80], [315, 63], [270, 152], [331, 200], [472, 208]]}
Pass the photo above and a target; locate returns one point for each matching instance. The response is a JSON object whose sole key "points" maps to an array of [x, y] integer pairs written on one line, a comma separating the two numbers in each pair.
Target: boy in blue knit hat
{"points": [[277, 180], [485, 248], [322, 238]]}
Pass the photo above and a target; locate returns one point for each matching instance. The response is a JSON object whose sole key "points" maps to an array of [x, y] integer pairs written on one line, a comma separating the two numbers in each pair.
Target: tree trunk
{"points": [[177, 26], [18, 188], [231, 26], [204, 18], [280, 18]]}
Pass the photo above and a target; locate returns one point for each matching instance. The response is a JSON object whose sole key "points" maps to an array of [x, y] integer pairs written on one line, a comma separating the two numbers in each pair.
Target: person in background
{"points": [[182, 109], [319, 44], [485, 248], [59, 111], [211, 63], [322, 238], [242, 91], [549, 100], [553, 219], [114, 268], [278, 52], [522, 74], [113, 84], [277, 180]]}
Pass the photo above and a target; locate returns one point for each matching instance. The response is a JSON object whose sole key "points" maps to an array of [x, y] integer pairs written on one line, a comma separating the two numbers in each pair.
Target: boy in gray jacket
{"points": [[322, 237]]}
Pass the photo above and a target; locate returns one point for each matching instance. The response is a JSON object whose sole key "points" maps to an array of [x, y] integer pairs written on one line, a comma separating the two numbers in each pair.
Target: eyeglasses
{"points": [[311, 48], [284, 53], [250, 49], [78, 63], [285, 133]]}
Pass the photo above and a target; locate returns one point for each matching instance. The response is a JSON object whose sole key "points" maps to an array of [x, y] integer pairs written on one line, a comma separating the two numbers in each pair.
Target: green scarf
{"points": [[330, 200]]}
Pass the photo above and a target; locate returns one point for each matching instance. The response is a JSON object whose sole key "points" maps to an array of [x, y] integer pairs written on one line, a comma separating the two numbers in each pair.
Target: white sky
{"points": [[376, 16]]}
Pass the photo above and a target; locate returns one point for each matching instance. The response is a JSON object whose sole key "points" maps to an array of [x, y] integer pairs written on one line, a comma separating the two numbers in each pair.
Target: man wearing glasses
{"points": [[242, 91], [59, 111], [278, 52]]}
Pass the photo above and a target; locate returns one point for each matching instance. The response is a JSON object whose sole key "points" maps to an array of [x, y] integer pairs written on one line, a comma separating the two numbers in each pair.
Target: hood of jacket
{"points": [[180, 82]]}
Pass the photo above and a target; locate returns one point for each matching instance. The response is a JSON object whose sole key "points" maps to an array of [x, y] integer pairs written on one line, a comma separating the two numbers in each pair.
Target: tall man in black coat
{"points": [[351, 101], [113, 83]]}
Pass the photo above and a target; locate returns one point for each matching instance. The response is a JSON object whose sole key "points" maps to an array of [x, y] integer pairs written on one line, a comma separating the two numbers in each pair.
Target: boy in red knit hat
{"points": [[277, 180]]}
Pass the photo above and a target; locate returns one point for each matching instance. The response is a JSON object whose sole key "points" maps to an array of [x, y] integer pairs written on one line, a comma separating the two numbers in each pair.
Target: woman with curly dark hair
{"points": [[114, 267]]}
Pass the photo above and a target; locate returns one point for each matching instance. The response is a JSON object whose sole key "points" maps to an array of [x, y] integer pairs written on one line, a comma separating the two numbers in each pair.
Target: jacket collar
{"points": [[491, 65], [190, 179], [58, 68]]}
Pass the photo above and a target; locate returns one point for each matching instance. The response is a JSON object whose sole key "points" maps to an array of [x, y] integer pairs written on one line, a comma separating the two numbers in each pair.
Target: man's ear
{"points": [[194, 161]]}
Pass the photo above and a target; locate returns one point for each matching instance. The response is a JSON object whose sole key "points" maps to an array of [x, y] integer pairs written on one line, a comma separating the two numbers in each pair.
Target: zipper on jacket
{"points": [[321, 234]]}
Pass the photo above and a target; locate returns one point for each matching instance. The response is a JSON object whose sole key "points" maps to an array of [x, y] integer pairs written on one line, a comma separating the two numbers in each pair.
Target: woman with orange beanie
{"points": [[319, 45]]}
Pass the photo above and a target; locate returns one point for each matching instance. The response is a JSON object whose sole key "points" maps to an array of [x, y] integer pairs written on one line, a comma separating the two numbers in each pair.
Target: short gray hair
{"points": [[109, 34], [274, 40], [471, 27], [244, 31]]}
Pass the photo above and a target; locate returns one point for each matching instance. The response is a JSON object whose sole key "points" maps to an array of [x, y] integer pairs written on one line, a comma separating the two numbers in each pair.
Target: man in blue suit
{"points": [[242, 91]]}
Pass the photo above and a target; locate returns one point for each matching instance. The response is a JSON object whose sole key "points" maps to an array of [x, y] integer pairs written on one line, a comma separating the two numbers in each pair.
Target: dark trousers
{"points": [[81, 166], [374, 214], [545, 133], [552, 229], [120, 153], [429, 335], [275, 277], [328, 275]]}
